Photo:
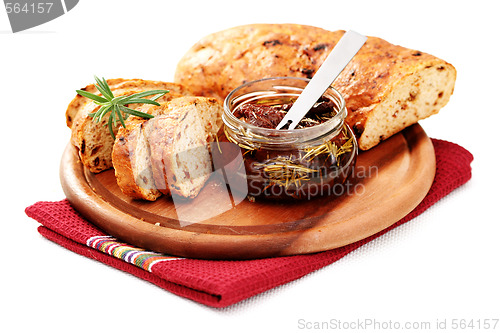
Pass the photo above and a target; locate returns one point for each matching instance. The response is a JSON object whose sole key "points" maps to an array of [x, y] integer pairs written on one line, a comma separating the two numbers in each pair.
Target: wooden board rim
{"points": [[185, 243]]}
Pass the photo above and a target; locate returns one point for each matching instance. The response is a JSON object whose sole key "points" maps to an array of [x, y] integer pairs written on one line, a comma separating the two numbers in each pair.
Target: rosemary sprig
{"points": [[284, 171], [117, 106]]}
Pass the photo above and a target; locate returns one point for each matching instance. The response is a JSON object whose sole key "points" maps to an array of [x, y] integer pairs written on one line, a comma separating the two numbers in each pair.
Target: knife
{"points": [[341, 55]]}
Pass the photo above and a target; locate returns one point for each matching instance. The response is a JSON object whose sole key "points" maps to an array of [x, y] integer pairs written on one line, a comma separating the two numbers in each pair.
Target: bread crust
{"points": [[222, 61]]}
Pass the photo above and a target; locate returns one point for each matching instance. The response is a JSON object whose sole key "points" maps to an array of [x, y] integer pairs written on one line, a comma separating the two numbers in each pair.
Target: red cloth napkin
{"points": [[220, 283]]}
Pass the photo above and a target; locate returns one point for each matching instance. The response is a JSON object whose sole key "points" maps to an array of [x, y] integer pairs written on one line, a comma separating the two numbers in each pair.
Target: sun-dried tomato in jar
{"points": [[308, 161], [269, 113]]}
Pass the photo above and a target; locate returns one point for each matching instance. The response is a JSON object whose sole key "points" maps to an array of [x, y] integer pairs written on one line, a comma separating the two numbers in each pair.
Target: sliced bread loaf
{"points": [[167, 154], [93, 139]]}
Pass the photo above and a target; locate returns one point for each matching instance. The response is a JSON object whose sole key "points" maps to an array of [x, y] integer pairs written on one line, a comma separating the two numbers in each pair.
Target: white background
{"points": [[442, 265]]}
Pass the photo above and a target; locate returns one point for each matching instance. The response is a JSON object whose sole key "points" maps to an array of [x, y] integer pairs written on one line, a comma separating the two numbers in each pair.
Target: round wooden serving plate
{"points": [[389, 181]]}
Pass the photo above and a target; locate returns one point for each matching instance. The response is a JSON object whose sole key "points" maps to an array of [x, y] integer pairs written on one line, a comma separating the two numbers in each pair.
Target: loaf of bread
{"points": [[386, 87], [169, 153], [93, 139]]}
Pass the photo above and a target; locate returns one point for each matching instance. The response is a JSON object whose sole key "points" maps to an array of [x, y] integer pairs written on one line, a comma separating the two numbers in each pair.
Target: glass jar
{"points": [[289, 164]]}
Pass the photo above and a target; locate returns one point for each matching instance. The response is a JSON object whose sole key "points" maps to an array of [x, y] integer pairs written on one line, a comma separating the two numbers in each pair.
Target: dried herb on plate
{"points": [[117, 106]]}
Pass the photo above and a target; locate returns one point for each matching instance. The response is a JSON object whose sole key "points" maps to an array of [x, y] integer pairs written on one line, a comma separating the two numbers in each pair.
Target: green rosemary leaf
{"points": [[119, 99], [115, 106], [131, 100], [110, 125], [148, 93], [120, 115], [91, 96], [136, 113], [140, 101], [103, 111], [159, 95], [115, 112], [103, 88], [103, 92], [106, 86]]}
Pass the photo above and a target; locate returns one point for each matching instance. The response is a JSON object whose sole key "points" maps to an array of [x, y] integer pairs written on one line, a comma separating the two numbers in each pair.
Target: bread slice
{"points": [[131, 160], [386, 87], [179, 143], [93, 139], [169, 153]]}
